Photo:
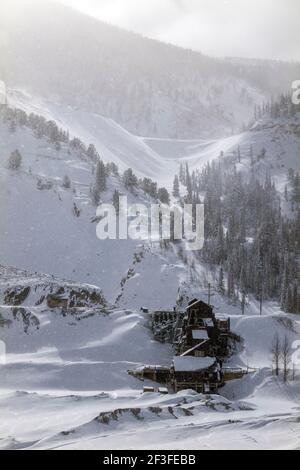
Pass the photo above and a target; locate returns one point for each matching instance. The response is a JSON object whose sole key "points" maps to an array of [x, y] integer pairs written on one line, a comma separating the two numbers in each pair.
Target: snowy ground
{"points": [[65, 383], [65, 386]]}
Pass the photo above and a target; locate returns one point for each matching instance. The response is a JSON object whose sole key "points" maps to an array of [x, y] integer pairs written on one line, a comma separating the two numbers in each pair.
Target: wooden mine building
{"points": [[202, 340]]}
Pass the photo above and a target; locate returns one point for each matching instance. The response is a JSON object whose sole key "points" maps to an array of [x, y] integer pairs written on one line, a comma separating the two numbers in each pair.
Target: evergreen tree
{"points": [[92, 153], [296, 188], [163, 196], [176, 188], [95, 196], [189, 186], [129, 179], [15, 160], [100, 183], [243, 302], [182, 175], [221, 286], [66, 182], [116, 201], [239, 154]]}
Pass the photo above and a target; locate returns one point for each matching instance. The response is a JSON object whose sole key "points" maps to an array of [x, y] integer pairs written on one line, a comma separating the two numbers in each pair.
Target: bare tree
{"points": [[286, 358], [276, 353]]}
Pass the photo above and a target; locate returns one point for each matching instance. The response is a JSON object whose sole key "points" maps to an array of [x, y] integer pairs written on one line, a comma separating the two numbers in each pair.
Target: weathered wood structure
{"points": [[204, 375], [204, 333], [157, 374], [202, 341]]}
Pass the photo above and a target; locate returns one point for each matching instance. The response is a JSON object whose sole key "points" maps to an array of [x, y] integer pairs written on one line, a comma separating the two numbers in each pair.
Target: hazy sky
{"points": [[247, 28]]}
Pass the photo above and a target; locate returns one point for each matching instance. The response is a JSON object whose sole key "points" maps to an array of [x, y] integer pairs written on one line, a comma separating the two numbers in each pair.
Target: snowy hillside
{"points": [[65, 386], [92, 113], [113, 142], [81, 255], [160, 158], [149, 88], [65, 383], [37, 212]]}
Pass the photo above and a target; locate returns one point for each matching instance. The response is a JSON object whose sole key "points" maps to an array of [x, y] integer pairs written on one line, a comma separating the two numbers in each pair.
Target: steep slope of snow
{"points": [[42, 222], [113, 142], [160, 158], [42, 233]]}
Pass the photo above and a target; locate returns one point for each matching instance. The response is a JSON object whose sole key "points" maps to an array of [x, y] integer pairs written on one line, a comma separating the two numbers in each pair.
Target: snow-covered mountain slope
{"points": [[275, 148], [148, 87], [113, 142], [42, 233], [41, 222], [273, 143], [65, 386], [160, 158]]}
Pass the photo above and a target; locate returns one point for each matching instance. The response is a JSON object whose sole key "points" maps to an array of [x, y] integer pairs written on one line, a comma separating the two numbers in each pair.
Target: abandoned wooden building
{"points": [[202, 341]]}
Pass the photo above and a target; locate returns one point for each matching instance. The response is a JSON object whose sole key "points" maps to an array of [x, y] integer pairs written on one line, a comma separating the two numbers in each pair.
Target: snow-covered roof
{"points": [[222, 316], [163, 390], [200, 334], [192, 364]]}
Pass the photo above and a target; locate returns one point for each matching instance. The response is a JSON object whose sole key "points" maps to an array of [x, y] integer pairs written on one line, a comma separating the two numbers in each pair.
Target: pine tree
{"points": [[243, 302], [95, 196], [286, 194], [15, 160], [189, 186], [221, 286], [100, 183], [129, 179], [296, 189], [176, 188], [230, 286], [284, 290], [182, 175], [92, 153], [116, 201], [295, 299], [67, 182], [163, 196], [239, 154]]}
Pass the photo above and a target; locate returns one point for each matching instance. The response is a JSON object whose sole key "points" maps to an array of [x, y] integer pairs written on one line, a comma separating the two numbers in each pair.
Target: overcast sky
{"points": [[246, 28]]}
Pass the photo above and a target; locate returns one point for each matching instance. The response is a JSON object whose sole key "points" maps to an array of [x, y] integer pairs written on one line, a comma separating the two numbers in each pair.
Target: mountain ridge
{"points": [[148, 87]]}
